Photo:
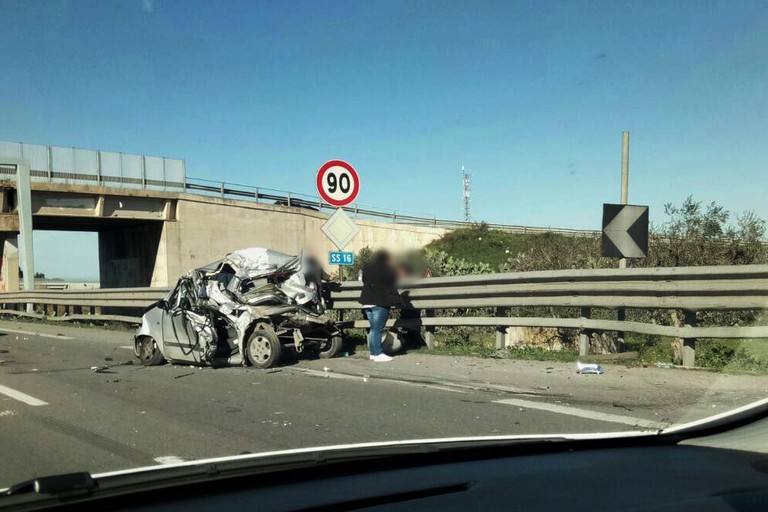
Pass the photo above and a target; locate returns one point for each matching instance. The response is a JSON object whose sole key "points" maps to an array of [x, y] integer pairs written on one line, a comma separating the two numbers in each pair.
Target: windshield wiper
{"points": [[63, 485]]}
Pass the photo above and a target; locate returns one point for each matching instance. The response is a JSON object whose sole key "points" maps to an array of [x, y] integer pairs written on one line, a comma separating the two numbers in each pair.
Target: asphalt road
{"points": [[57, 414]]}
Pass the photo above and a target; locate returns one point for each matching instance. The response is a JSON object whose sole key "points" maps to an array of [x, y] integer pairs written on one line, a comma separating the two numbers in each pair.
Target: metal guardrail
{"points": [[102, 297], [690, 289]]}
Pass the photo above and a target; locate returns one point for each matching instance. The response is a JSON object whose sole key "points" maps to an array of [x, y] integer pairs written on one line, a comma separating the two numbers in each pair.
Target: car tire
{"points": [[330, 348], [148, 352], [263, 349]]}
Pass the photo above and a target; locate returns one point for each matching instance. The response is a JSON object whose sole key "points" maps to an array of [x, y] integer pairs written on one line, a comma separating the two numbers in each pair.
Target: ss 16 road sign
{"points": [[337, 183], [625, 231], [341, 258]]}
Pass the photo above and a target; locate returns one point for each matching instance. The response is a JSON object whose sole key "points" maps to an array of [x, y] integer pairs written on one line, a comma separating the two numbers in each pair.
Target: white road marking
{"points": [[368, 378], [168, 459], [21, 397], [40, 334], [582, 413]]}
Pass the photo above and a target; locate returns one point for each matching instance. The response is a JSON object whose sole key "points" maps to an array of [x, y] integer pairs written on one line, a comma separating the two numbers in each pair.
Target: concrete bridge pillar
{"points": [[128, 255]]}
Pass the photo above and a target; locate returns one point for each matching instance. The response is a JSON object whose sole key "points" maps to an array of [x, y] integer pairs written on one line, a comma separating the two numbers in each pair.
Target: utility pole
{"points": [[621, 312], [624, 178], [467, 200]]}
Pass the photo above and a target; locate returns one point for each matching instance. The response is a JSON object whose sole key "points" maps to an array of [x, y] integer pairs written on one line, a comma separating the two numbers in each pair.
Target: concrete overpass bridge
{"points": [[149, 238], [154, 223]]}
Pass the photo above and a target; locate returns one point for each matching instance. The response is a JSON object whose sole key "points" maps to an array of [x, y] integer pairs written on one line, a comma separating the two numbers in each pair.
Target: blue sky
{"points": [[531, 96]]}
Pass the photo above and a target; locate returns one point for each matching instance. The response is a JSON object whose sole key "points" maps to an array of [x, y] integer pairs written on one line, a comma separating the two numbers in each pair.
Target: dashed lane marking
{"points": [[21, 397], [168, 459], [582, 413]]}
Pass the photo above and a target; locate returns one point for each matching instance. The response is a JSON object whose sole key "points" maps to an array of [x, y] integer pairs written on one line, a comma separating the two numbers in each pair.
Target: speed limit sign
{"points": [[338, 183]]}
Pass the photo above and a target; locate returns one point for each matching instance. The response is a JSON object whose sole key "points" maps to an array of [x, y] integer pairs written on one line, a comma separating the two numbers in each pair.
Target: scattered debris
{"points": [[589, 369], [7, 412], [108, 359], [184, 375], [664, 365], [274, 370], [620, 406], [100, 369]]}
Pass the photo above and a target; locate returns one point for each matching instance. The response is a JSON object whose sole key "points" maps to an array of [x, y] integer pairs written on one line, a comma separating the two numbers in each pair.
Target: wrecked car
{"points": [[245, 309]]}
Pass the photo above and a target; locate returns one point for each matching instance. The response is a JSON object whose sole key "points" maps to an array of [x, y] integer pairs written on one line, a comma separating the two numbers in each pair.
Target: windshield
{"points": [[427, 220]]}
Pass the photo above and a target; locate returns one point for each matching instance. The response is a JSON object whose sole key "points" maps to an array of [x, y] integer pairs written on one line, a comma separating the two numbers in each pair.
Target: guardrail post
{"points": [[257, 194], [584, 333], [501, 330], [289, 199], [222, 190], [689, 344], [429, 330]]}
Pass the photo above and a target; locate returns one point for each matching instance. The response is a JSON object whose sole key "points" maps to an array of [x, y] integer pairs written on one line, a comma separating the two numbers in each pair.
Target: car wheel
{"points": [[263, 349], [148, 351], [330, 348]]}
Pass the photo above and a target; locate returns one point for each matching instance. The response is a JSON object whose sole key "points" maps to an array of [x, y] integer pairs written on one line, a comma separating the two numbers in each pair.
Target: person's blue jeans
{"points": [[377, 316]]}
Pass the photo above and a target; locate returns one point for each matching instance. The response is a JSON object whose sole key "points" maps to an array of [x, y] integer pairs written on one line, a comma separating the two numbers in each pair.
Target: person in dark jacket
{"points": [[379, 295]]}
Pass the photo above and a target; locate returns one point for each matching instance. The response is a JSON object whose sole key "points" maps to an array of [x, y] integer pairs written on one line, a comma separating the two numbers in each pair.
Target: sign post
{"points": [[625, 227], [338, 184]]}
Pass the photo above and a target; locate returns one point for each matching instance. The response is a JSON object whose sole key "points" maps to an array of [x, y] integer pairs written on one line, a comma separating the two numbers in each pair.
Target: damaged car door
{"points": [[180, 338]]}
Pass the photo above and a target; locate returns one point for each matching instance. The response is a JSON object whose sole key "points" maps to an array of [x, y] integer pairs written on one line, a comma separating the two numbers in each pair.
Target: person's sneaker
{"points": [[381, 358]]}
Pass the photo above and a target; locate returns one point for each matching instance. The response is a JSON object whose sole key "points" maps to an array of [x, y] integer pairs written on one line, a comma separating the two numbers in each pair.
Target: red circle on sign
{"points": [[326, 193]]}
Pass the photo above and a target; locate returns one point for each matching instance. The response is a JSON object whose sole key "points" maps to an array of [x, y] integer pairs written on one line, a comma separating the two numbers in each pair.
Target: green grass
{"points": [[756, 348], [480, 245]]}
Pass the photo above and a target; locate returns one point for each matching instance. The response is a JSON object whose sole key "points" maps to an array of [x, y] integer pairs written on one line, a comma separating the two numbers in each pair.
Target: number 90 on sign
{"points": [[337, 183], [341, 258]]}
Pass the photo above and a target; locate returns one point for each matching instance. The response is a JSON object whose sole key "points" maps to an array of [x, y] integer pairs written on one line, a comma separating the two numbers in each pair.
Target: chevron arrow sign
{"points": [[625, 231]]}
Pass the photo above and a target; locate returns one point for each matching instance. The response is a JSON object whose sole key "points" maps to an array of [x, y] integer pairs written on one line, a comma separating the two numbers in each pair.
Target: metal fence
{"points": [[75, 166], [690, 289]]}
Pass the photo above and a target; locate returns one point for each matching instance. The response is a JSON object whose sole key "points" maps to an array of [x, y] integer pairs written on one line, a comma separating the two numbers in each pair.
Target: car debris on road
{"points": [[589, 368], [241, 309]]}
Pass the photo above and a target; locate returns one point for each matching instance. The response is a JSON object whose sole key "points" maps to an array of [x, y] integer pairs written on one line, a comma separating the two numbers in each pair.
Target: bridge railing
{"points": [[688, 289], [286, 198]]}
